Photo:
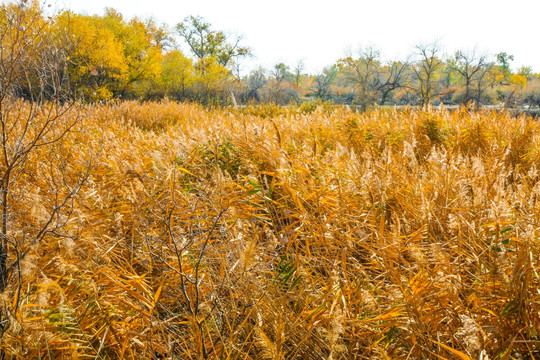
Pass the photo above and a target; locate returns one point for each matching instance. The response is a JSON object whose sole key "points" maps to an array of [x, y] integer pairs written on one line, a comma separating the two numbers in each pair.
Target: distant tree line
{"points": [[110, 57]]}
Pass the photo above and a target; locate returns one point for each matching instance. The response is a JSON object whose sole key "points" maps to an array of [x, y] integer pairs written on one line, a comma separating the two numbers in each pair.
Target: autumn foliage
{"points": [[152, 230], [298, 234]]}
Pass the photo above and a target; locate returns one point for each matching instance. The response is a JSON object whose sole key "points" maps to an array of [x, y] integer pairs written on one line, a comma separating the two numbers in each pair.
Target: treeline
{"points": [[427, 76], [99, 58]]}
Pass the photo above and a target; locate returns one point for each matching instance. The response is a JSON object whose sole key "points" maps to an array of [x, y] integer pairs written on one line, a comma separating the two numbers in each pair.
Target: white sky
{"points": [[320, 32]]}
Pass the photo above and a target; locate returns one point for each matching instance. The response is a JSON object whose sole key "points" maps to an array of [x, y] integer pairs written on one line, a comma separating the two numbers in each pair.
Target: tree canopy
{"points": [[110, 57]]}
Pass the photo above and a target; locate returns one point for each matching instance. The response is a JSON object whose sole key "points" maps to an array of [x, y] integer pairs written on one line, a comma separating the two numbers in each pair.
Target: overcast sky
{"points": [[320, 32]]}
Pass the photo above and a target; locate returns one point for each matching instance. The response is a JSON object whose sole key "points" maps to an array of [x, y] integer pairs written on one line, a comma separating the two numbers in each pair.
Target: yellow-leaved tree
{"points": [[142, 53], [518, 80], [178, 74], [211, 81], [495, 76], [96, 65]]}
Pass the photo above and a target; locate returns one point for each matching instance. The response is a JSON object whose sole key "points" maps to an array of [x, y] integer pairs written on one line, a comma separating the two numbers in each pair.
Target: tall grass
{"points": [[286, 234]]}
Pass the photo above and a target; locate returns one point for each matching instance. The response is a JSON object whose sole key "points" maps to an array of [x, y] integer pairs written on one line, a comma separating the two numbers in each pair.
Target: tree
{"points": [[298, 72], [177, 74], [504, 61], [160, 34], [526, 71], [495, 76], [281, 73], [425, 71], [110, 57], [142, 53], [323, 82], [364, 75], [211, 81], [205, 42], [472, 69], [255, 82], [518, 80], [395, 76], [96, 64], [373, 82], [280, 86], [31, 55]]}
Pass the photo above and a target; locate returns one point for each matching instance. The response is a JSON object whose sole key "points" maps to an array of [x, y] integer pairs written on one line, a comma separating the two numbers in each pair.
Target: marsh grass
{"points": [[291, 234]]}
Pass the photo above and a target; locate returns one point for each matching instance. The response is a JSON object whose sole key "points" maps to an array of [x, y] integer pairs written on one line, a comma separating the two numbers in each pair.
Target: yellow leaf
{"points": [[158, 292], [388, 316], [458, 353], [489, 311], [185, 170]]}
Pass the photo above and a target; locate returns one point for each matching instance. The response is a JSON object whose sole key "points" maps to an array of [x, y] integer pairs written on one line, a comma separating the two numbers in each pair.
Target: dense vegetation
{"points": [[108, 57], [151, 230], [280, 234]]}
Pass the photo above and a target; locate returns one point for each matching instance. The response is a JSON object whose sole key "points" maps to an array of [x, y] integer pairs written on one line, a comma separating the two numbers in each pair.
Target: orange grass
{"points": [[267, 233]]}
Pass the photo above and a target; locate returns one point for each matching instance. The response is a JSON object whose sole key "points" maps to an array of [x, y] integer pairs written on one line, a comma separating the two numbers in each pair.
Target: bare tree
{"points": [[298, 72], [323, 82], [425, 70], [472, 68], [394, 76], [364, 75], [33, 66], [255, 81], [373, 82]]}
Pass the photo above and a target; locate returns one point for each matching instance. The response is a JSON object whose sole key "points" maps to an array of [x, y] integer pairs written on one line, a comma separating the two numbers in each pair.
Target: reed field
{"points": [[311, 232]]}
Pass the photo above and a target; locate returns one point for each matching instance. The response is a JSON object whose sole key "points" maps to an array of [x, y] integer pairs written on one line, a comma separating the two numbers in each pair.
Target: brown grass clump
{"points": [[286, 234]]}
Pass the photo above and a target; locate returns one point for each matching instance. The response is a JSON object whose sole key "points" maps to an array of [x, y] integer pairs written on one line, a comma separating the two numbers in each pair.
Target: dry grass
{"points": [[280, 234]]}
